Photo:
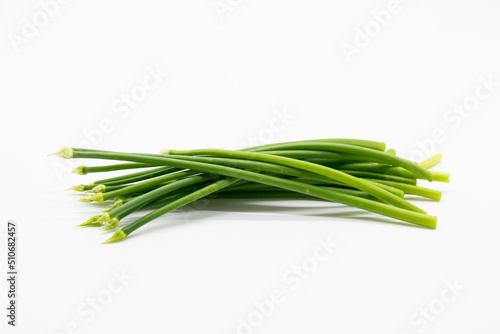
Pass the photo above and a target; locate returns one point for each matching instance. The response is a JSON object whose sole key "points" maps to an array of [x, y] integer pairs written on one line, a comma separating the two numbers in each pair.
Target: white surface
{"points": [[226, 77]]}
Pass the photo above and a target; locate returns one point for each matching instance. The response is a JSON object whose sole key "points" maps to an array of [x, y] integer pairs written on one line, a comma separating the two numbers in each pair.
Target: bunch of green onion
{"points": [[358, 173]]}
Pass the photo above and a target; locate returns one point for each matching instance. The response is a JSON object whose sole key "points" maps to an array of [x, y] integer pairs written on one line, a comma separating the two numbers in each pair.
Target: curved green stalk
{"points": [[378, 168], [123, 233], [431, 162], [83, 170], [311, 154], [362, 151], [251, 186], [311, 167], [255, 160], [413, 190], [372, 175], [112, 218], [231, 172], [391, 151], [276, 169], [362, 203], [374, 145], [150, 184], [177, 161], [136, 177]]}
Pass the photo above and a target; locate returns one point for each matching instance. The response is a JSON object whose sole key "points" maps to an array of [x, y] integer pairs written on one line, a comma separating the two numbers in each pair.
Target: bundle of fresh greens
{"points": [[358, 173]]}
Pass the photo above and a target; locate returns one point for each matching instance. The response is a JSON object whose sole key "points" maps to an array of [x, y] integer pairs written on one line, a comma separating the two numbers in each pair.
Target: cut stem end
{"points": [[118, 236]]}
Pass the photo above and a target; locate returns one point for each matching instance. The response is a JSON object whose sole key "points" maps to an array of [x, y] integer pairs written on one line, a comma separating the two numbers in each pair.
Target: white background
{"points": [[228, 74]]}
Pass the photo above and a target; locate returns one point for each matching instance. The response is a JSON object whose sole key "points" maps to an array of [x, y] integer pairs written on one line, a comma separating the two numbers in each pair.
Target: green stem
{"points": [[362, 203], [136, 177], [121, 234], [391, 211], [176, 161], [361, 151], [380, 176], [139, 201], [334, 174], [250, 186], [374, 145], [366, 186], [112, 168], [413, 190], [431, 162], [134, 188]]}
